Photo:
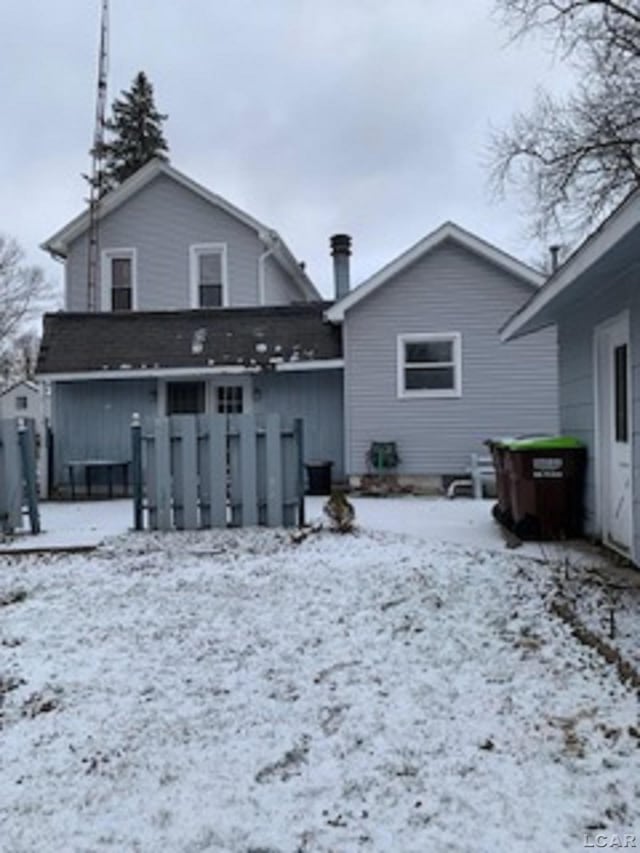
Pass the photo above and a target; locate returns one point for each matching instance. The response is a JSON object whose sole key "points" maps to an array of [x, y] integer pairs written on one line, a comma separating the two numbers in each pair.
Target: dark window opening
{"points": [[185, 398], [621, 402], [121, 288], [210, 280]]}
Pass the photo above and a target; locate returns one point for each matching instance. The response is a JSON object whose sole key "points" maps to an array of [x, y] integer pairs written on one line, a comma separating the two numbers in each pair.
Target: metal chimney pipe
{"points": [[554, 251], [341, 252]]}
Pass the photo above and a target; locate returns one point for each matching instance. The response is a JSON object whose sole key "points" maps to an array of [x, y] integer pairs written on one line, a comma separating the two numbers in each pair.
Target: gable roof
{"points": [[149, 343], [562, 286], [447, 231], [30, 386], [58, 244]]}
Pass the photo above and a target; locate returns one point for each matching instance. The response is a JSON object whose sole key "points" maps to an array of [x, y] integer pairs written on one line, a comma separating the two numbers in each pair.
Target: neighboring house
{"points": [[22, 399], [27, 399], [201, 309], [593, 300], [424, 364]]}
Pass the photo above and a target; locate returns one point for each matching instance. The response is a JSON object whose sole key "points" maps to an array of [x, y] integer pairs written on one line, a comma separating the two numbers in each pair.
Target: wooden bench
{"points": [[480, 471]]}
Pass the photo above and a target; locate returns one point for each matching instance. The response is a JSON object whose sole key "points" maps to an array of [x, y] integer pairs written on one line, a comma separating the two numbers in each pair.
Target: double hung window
{"points": [[429, 365]]}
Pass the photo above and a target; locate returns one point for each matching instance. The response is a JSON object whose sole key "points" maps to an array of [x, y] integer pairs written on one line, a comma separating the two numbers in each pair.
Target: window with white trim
{"points": [[429, 365], [230, 399], [119, 273], [208, 275]]}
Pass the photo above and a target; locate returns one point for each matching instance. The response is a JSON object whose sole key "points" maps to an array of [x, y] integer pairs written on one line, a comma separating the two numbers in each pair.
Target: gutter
{"points": [[274, 239]]}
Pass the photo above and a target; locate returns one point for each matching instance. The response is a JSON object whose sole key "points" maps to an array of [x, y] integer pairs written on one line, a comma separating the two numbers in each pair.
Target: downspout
{"points": [[261, 266]]}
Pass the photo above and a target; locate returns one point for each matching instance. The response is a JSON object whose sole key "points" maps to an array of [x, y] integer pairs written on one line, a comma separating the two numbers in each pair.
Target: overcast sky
{"points": [[314, 116]]}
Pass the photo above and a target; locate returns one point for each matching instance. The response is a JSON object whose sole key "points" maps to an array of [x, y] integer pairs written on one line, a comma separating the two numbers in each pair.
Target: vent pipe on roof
{"points": [[554, 251], [341, 252]]}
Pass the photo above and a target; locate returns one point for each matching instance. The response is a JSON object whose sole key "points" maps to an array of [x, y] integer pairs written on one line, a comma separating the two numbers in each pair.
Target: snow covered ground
{"points": [[461, 521], [233, 691]]}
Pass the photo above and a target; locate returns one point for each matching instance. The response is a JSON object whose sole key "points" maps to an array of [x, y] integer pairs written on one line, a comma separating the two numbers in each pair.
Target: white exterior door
{"points": [[615, 438]]}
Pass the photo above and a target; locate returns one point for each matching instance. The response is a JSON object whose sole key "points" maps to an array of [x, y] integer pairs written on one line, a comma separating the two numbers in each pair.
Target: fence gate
{"points": [[18, 478], [201, 471]]}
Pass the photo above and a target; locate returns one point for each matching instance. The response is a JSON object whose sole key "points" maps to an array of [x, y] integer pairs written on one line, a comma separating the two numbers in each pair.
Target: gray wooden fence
{"points": [[202, 471], [18, 477]]}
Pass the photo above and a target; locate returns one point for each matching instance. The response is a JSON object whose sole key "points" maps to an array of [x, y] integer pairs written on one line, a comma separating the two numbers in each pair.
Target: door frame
{"points": [[602, 428]]}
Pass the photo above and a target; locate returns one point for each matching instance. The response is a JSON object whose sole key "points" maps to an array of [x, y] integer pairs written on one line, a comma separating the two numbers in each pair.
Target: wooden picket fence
{"points": [[18, 475], [202, 471]]}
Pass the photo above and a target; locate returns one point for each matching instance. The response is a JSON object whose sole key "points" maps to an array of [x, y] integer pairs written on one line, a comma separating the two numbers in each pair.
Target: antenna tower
{"points": [[97, 161]]}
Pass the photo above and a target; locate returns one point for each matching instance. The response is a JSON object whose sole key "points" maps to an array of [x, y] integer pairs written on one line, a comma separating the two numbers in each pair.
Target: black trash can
{"points": [[319, 477]]}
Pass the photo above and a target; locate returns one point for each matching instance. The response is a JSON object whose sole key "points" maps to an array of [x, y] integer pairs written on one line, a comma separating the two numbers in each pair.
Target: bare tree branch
{"points": [[571, 160], [22, 291]]}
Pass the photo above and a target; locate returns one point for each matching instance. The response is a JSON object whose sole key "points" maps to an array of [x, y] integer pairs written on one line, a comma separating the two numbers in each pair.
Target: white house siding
{"points": [[314, 395], [161, 222], [576, 377], [507, 389]]}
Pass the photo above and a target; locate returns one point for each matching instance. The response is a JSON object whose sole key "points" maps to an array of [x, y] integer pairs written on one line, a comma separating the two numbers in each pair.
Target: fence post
{"points": [[298, 432], [136, 470], [49, 450], [28, 459]]}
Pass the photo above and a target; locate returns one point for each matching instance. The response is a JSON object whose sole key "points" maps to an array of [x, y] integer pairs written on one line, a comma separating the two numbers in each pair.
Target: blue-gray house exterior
{"points": [[450, 291], [156, 226], [196, 297], [593, 300]]}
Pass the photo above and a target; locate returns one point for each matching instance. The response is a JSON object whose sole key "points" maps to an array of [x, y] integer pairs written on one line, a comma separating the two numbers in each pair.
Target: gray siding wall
{"points": [[93, 419], [315, 396], [161, 222], [280, 289], [577, 382], [507, 389]]}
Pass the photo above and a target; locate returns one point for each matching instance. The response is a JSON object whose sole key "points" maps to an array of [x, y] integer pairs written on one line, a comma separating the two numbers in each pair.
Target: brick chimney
{"points": [[341, 252]]}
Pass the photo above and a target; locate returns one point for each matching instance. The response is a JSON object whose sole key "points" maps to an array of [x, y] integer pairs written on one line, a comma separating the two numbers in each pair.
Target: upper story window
{"points": [[118, 279], [430, 365], [21, 404], [208, 273]]}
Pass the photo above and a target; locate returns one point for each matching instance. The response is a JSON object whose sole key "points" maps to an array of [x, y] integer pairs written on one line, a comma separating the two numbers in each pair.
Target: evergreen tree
{"points": [[136, 127]]}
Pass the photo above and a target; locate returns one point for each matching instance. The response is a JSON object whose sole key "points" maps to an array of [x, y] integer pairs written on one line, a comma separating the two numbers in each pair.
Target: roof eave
{"points": [[448, 230], [594, 247]]}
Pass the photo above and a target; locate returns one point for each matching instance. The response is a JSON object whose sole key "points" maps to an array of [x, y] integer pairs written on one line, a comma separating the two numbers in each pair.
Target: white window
{"points": [[208, 273], [119, 280], [230, 399], [429, 365]]}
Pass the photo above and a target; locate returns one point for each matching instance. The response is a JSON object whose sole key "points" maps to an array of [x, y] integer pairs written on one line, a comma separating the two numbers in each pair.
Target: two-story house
{"points": [[201, 309]]}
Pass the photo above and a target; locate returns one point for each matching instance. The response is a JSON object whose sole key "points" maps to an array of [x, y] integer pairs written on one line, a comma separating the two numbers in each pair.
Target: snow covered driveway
{"points": [[234, 692]]}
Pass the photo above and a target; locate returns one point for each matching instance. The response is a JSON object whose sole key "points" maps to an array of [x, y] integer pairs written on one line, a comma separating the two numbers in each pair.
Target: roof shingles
{"points": [[223, 337]]}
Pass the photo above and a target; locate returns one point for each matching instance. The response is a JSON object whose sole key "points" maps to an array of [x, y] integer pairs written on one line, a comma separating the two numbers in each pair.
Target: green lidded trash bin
{"points": [[319, 477], [546, 484]]}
